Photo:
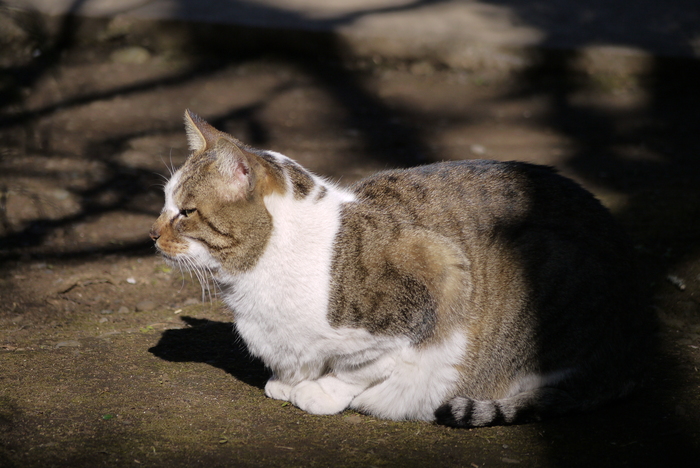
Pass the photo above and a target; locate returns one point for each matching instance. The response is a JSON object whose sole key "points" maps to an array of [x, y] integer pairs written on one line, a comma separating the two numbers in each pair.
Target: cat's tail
{"points": [[532, 405]]}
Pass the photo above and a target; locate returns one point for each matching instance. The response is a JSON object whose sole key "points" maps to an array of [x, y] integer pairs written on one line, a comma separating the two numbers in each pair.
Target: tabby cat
{"points": [[472, 293]]}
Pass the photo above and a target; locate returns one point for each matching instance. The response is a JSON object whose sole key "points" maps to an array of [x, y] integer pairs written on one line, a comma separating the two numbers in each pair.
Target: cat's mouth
{"points": [[168, 257], [170, 248], [187, 262], [161, 251], [174, 259]]}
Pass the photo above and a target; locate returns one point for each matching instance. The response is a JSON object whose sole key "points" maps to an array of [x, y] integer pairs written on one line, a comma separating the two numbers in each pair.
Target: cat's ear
{"points": [[234, 164], [232, 161], [200, 135]]}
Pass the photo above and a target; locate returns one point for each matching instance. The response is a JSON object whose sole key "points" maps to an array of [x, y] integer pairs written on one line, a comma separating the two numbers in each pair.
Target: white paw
{"points": [[311, 397], [277, 390]]}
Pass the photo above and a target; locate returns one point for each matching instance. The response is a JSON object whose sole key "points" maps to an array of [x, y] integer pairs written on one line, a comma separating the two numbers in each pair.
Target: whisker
{"points": [[217, 286], [200, 277], [165, 178], [172, 166], [206, 275], [202, 284], [186, 263], [182, 275]]}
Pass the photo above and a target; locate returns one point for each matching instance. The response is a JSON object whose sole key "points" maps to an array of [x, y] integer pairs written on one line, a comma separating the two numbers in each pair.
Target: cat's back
{"points": [[516, 233], [475, 198]]}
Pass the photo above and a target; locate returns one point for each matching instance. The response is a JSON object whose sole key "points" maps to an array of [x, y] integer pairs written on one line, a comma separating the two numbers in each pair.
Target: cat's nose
{"points": [[158, 227]]}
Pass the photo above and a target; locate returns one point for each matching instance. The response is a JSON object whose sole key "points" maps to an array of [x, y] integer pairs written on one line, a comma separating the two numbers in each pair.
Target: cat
{"points": [[471, 293]]}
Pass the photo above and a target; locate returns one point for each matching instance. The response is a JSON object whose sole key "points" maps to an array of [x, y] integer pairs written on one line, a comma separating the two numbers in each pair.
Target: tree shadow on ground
{"points": [[649, 154], [211, 48], [663, 207], [662, 213]]}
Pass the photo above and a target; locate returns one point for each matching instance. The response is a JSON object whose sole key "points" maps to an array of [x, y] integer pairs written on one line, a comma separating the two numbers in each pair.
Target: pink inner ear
{"points": [[243, 168], [240, 174], [233, 165]]}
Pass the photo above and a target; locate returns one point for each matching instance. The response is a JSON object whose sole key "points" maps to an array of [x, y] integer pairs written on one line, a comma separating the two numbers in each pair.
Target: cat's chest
{"points": [[281, 305], [287, 327], [281, 296]]}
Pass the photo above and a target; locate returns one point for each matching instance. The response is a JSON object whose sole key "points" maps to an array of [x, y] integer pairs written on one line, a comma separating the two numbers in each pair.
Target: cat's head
{"points": [[214, 216]]}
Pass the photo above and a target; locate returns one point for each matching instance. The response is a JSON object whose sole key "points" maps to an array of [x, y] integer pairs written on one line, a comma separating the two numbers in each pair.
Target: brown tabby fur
{"points": [[531, 264], [524, 263]]}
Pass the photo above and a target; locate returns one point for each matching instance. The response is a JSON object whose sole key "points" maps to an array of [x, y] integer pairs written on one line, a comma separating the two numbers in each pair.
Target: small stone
{"points": [[131, 280], [677, 281], [146, 306], [191, 301], [104, 320], [133, 55], [60, 194], [118, 26], [69, 344], [353, 419], [123, 310], [106, 312], [109, 334], [422, 68], [477, 149]]}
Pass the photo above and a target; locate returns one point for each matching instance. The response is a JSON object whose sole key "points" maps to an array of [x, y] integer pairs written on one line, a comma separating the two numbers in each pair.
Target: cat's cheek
{"points": [[201, 256]]}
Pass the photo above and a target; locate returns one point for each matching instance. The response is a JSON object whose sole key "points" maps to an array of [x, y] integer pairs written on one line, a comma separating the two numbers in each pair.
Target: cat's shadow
{"points": [[215, 343]]}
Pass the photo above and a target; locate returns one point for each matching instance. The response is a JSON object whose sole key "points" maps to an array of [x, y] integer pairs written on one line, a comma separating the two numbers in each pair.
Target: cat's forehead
{"points": [[187, 181], [170, 189]]}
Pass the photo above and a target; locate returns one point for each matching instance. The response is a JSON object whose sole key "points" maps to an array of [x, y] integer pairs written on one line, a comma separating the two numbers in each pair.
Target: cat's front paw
{"points": [[277, 390], [312, 398]]}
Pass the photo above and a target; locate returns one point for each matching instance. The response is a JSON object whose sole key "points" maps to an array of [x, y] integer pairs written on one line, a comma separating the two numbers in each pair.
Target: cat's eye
{"points": [[186, 213]]}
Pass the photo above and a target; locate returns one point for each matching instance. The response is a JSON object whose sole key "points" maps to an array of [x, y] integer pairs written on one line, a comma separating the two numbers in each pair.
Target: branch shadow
{"points": [[211, 48], [663, 211]]}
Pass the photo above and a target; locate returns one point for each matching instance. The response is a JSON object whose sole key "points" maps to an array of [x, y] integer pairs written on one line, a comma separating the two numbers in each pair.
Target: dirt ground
{"points": [[110, 358]]}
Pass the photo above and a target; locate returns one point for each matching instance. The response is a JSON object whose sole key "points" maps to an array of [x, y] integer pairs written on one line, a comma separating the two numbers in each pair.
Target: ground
{"points": [[111, 358]]}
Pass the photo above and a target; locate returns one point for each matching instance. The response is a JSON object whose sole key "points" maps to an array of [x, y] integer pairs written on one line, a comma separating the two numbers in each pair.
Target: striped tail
{"points": [[524, 407]]}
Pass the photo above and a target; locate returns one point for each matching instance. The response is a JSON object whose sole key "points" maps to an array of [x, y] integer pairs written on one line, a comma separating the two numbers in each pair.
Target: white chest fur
{"points": [[281, 305], [281, 309]]}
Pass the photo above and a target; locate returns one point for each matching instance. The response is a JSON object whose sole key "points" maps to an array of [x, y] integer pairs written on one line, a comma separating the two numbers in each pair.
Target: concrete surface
{"points": [[456, 33]]}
